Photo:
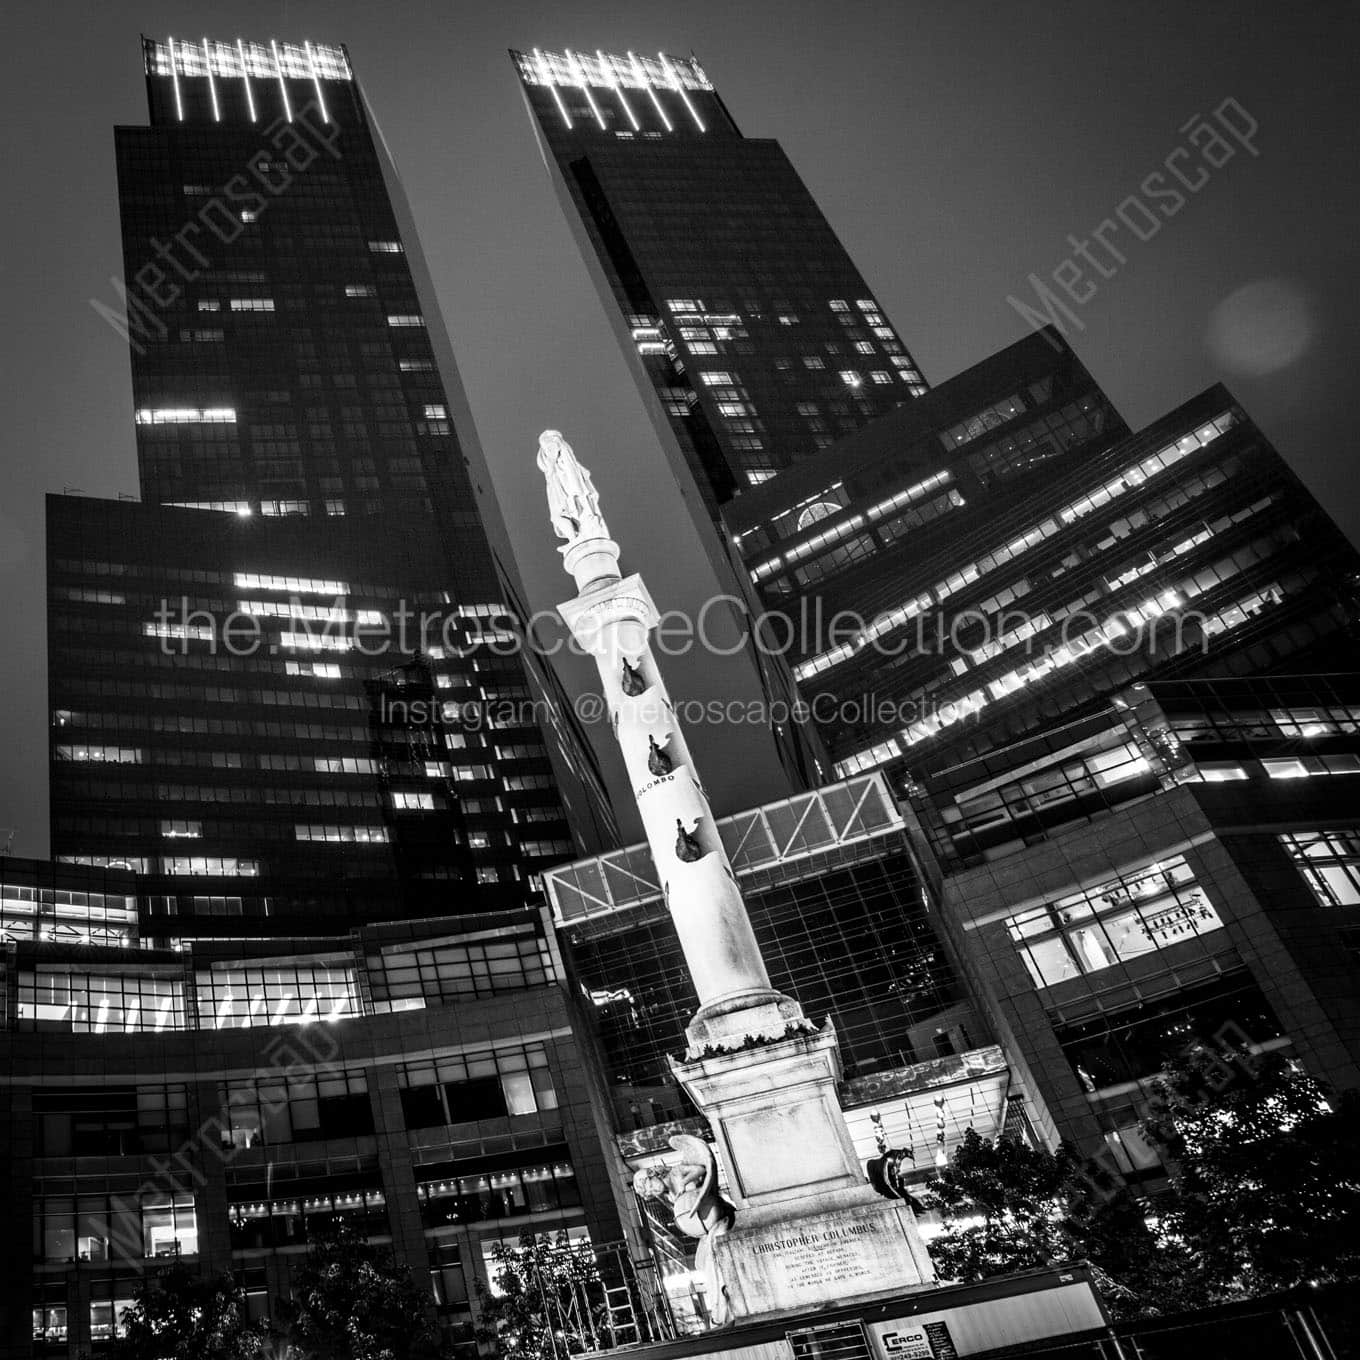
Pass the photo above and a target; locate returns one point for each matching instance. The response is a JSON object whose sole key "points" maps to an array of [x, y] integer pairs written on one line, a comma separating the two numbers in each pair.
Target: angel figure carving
{"points": [[690, 1186], [573, 502]]}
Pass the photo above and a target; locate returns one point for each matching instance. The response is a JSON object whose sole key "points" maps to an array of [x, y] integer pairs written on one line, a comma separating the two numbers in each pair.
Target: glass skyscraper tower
{"points": [[756, 340], [268, 695]]}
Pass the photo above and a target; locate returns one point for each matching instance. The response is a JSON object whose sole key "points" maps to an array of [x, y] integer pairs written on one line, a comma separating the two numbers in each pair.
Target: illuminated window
{"points": [[275, 992], [184, 415], [405, 320], [30, 913], [207, 865], [1221, 774], [386, 247], [209, 305], [317, 642], [436, 412], [182, 830], [1330, 864], [294, 609], [185, 632], [320, 670], [302, 585], [413, 802], [344, 765], [88, 1227], [360, 290], [356, 835], [111, 755], [415, 365], [1310, 767], [252, 304], [87, 1000], [108, 1319], [1116, 921]]}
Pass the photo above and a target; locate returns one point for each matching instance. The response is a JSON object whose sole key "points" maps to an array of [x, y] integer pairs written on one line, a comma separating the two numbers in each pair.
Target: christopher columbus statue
{"points": [[573, 503]]}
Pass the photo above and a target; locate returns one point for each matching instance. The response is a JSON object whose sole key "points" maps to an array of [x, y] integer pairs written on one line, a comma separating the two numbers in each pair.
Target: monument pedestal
{"points": [[842, 1247], [808, 1231]]}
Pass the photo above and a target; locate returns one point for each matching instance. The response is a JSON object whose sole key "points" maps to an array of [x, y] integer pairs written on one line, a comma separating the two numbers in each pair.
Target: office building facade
{"points": [[1203, 902], [226, 1104], [754, 339], [1003, 555]]}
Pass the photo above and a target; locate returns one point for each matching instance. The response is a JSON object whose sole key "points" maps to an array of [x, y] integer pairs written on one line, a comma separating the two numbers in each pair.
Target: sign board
{"points": [[919, 1341]]}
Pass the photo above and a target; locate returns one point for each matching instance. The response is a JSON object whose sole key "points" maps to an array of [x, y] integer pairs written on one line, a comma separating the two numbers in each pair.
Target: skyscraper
{"points": [[288, 693], [752, 335], [295, 396]]}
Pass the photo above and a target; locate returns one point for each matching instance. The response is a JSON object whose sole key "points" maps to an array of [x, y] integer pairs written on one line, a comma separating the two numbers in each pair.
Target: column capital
{"points": [[622, 601]]}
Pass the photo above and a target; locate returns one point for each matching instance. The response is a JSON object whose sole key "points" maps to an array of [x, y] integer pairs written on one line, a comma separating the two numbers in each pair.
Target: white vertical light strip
{"points": [[316, 82], [550, 81], [647, 82], [283, 86], [245, 75], [680, 89], [607, 67], [585, 89], [174, 77], [212, 84]]}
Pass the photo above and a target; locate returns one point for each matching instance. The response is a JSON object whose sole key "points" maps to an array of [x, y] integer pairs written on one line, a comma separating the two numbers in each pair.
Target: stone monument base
{"points": [[836, 1247]]}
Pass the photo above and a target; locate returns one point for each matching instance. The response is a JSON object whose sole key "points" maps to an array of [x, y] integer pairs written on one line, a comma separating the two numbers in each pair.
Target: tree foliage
{"points": [[1262, 1193], [1265, 1171], [179, 1314], [351, 1302], [1008, 1207], [1002, 1204], [548, 1301]]}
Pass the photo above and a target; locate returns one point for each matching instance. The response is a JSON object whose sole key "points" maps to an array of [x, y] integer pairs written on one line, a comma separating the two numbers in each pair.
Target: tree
{"points": [[181, 1315], [1264, 1168], [1009, 1207], [1002, 1204], [548, 1301], [351, 1302]]}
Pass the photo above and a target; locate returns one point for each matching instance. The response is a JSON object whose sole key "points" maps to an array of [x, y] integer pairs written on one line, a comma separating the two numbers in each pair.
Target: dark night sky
{"points": [[954, 146]]}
